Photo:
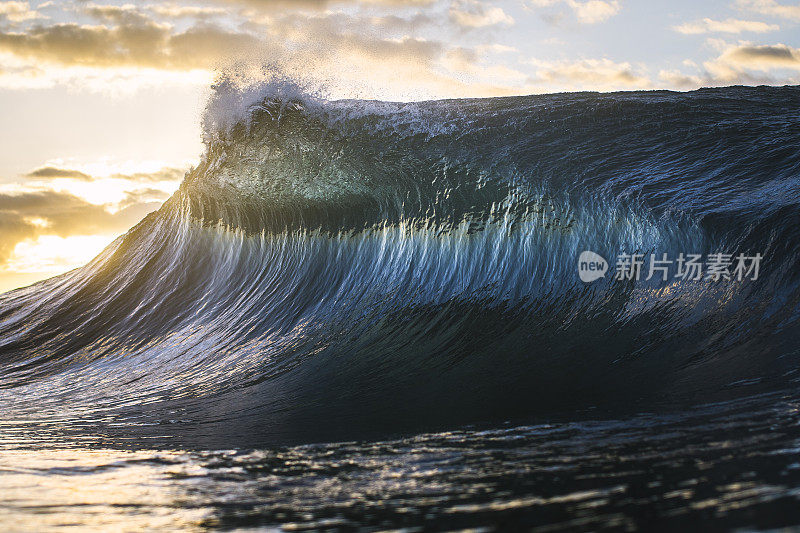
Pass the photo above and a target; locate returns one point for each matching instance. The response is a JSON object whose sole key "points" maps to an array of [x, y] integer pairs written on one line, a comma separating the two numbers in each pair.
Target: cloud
{"points": [[143, 196], [402, 25], [677, 79], [765, 57], [730, 25], [277, 5], [772, 8], [131, 45], [743, 63], [386, 53], [133, 40], [587, 12], [739, 63], [318, 5], [164, 174], [127, 15], [39, 208], [176, 11], [588, 73], [337, 34], [53, 172], [476, 14], [366, 53], [128, 37], [29, 215], [594, 11], [18, 12], [415, 3]]}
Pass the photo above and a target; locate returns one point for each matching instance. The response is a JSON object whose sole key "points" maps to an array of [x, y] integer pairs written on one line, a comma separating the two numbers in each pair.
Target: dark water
{"points": [[721, 467], [401, 281]]}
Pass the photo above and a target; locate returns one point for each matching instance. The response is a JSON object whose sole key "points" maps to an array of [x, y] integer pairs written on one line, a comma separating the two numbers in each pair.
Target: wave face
{"points": [[333, 270]]}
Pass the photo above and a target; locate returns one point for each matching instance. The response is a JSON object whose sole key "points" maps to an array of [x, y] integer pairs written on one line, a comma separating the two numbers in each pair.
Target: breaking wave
{"points": [[337, 269]]}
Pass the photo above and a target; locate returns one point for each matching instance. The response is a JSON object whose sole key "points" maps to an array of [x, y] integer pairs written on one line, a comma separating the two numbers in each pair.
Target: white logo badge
{"points": [[591, 266]]}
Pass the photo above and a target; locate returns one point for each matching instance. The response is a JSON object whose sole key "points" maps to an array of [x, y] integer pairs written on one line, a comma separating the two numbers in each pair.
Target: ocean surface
{"points": [[371, 315]]}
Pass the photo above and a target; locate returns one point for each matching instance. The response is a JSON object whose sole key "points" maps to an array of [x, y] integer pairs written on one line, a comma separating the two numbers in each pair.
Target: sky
{"points": [[101, 102]]}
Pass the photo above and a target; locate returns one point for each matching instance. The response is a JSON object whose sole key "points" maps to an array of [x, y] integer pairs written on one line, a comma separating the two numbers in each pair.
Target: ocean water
{"points": [[369, 315]]}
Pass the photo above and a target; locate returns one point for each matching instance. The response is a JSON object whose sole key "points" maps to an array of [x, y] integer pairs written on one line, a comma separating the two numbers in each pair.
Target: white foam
{"points": [[239, 92]]}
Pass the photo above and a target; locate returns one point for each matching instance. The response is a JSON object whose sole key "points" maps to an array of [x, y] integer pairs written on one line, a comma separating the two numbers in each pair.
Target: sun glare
{"points": [[50, 253]]}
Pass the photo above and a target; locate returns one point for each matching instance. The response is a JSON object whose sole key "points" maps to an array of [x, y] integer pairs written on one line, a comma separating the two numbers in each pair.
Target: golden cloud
{"points": [[29, 215], [18, 11], [54, 172], [34, 212], [143, 44]]}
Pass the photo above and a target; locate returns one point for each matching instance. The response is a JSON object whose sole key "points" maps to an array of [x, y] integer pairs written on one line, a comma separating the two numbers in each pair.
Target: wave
{"points": [[332, 269]]}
